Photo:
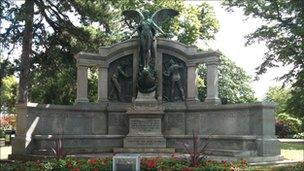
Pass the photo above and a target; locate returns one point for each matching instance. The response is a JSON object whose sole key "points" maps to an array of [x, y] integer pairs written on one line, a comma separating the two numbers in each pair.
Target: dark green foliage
{"points": [[296, 102], [283, 130]]}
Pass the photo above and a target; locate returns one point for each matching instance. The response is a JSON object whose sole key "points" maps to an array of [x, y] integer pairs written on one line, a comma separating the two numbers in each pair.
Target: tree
{"points": [[26, 51], [280, 96], [8, 93], [233, 83], [37, 16], [283, 34]]}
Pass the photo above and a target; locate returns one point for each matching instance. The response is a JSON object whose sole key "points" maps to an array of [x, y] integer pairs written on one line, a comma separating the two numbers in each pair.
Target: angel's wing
{"points": [[163, 15], [131, 17]]}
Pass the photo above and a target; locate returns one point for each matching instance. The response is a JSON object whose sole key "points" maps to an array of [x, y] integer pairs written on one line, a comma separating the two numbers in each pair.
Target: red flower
{"points": [[76, 169], [92, 161], [151, 163]]}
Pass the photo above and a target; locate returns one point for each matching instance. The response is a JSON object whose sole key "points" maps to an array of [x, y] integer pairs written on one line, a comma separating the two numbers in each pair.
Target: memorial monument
{"points": [[147, 103]]}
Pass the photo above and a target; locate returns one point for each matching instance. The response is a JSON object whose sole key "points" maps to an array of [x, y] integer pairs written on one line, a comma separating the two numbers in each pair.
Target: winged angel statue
{"points": [[147, 27]]}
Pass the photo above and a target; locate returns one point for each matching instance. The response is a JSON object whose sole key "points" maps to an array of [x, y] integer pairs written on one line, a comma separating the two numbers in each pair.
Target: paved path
{"points": [[5, 151]]}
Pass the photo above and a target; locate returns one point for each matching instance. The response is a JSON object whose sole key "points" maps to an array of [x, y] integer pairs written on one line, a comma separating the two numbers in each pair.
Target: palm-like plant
{"points": [[197, 150]]}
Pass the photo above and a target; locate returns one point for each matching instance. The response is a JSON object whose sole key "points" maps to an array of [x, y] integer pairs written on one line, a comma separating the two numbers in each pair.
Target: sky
{"points": [[231, 42]]}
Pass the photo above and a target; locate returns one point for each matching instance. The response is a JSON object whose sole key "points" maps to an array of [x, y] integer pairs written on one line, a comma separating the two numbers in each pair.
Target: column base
{"points": [[81, 100], [103, 100], [213, 101], [144, 150], [193, 99]]}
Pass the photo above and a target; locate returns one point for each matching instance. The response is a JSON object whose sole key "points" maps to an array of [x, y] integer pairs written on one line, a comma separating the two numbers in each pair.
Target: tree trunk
{"points": [[26, 52]]}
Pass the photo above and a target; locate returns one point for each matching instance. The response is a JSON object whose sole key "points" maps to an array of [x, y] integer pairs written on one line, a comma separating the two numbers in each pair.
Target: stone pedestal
{"points": [[145, 127]]}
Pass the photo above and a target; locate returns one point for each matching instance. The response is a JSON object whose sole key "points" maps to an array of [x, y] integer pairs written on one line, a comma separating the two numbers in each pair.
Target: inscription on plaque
{"points": [[144, 142], [145, 125]]}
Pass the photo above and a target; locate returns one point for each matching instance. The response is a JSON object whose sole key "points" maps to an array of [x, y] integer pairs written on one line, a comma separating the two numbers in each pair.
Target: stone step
{"points": [[232, 153], [144, 150]]}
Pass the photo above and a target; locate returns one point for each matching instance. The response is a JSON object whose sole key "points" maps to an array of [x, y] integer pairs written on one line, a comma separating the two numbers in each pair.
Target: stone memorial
{"points": [[147, 103], [126, 162]]}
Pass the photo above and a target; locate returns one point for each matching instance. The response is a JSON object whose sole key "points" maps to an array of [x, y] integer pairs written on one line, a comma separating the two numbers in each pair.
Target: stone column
{"points": [[212, 82], [191, 82], [135, 73], [159, 69], [82, 84], [102, 84]]}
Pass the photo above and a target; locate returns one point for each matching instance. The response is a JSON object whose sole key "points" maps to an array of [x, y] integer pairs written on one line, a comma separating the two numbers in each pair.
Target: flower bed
{"points": [[147, 164]]}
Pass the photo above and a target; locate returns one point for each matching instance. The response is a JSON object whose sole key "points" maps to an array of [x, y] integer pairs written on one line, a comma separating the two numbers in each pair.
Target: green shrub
{"points": [[299, 135], [283, 130], [293, 123], [2, 133]]}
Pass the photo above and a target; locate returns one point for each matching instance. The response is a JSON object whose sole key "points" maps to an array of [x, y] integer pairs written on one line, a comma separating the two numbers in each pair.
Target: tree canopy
{"points": [[283, 34], [280, 96], [61, 29]]}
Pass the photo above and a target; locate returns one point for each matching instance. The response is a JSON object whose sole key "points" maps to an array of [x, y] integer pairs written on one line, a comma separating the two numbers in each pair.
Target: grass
{"points": [[292, 146]]}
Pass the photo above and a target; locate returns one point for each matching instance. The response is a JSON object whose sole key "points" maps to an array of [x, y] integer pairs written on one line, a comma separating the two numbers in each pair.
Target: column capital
{"points": [[213, 61], [191, 64], [103, 64], [78, 65]]}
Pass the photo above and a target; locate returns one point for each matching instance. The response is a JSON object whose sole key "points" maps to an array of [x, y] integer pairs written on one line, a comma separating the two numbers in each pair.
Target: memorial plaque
{"points": [[126, 162], [145, 126]]}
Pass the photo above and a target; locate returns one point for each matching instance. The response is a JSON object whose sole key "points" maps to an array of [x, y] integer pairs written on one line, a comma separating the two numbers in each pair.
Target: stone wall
{"points": [[245, 128]]}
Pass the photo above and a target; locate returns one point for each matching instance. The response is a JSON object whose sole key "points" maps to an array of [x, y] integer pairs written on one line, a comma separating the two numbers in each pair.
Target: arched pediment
{"points": [[189, 54]]}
